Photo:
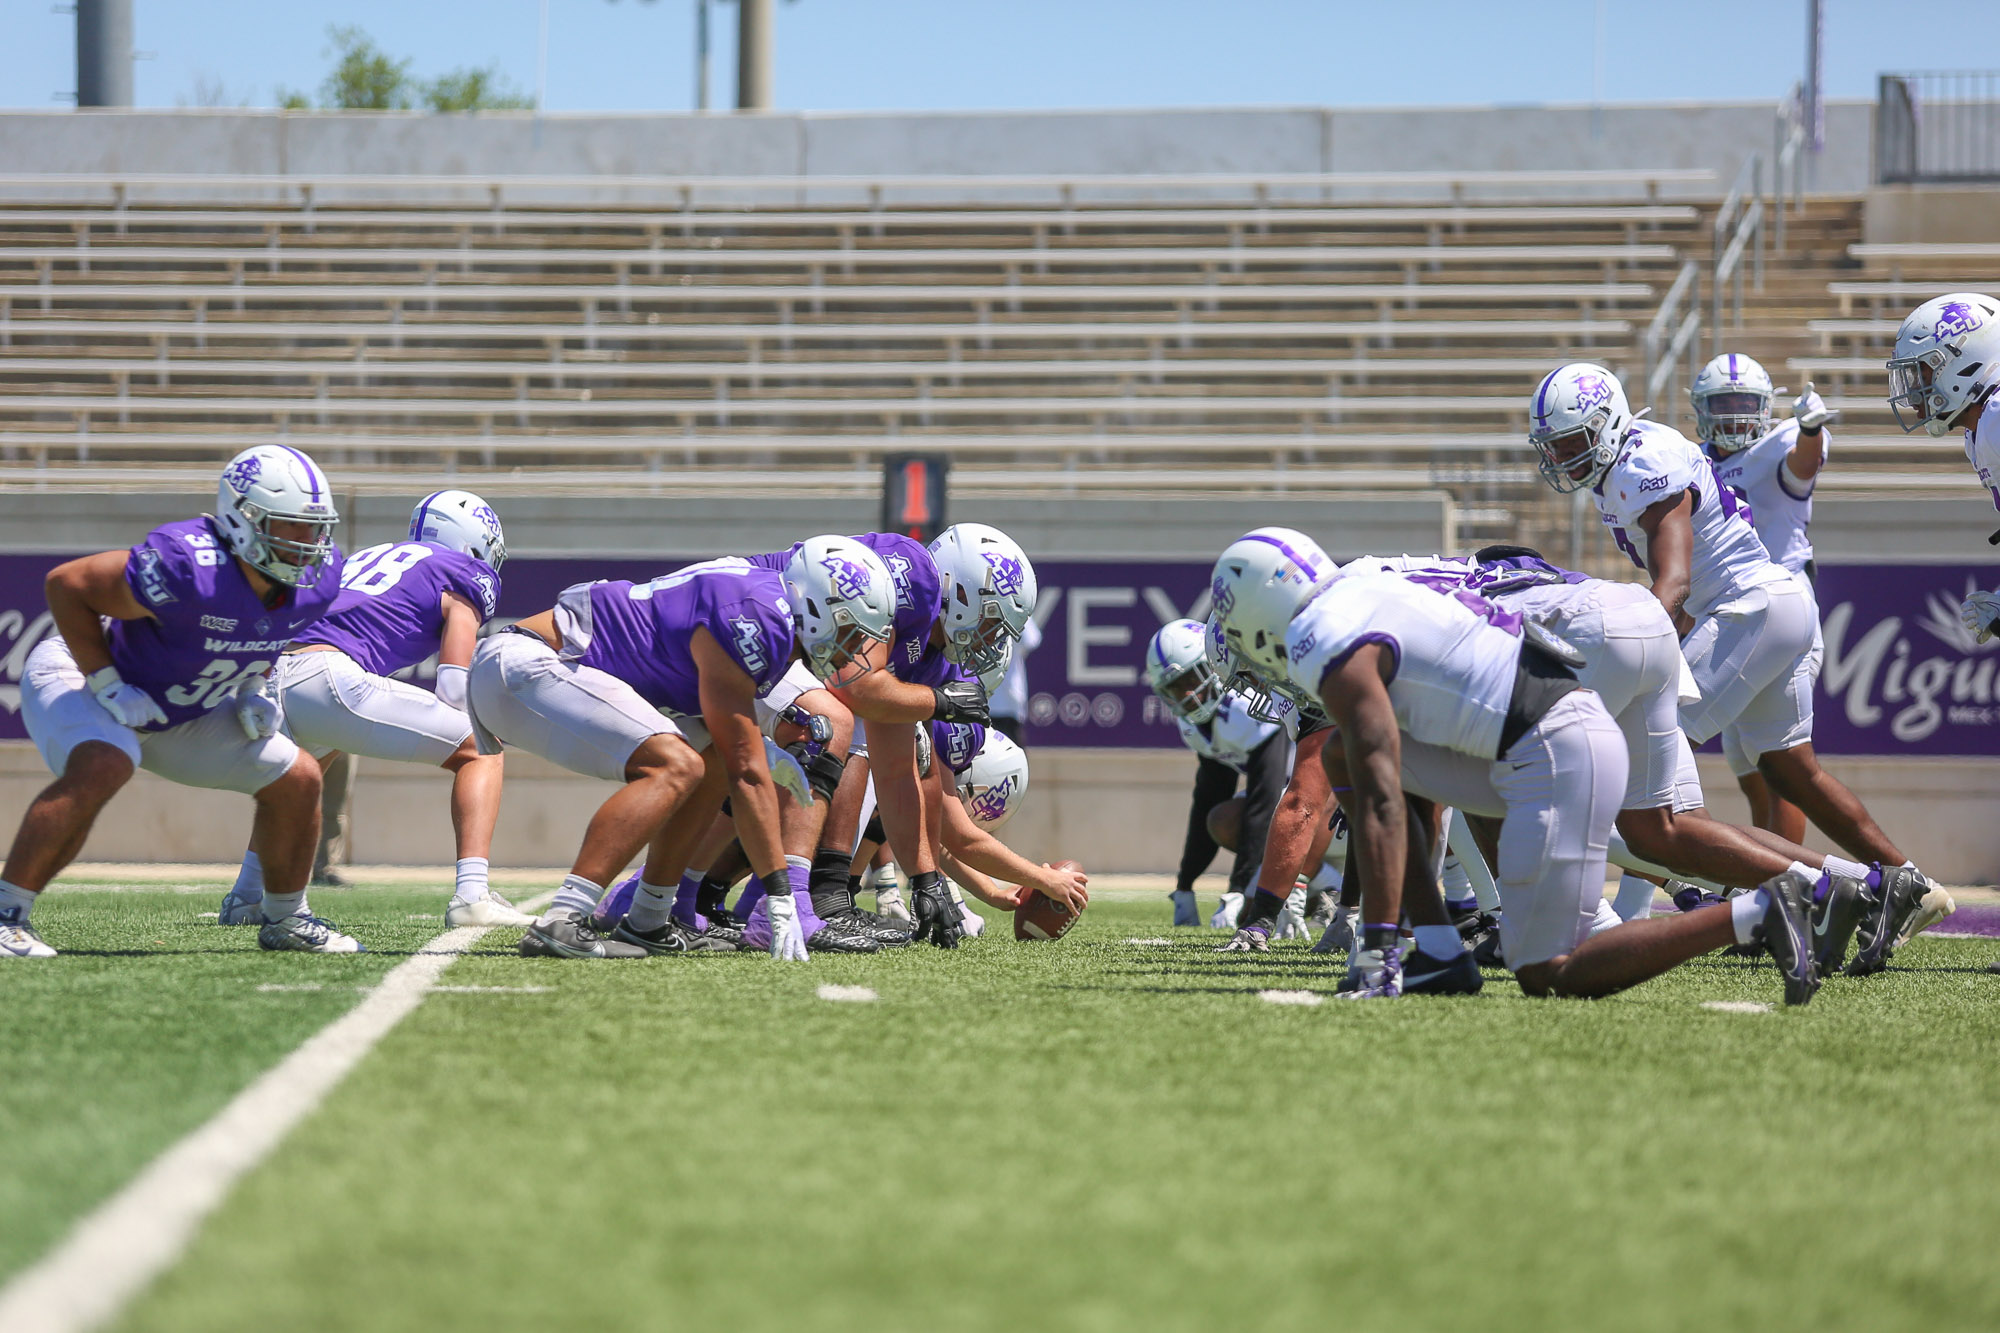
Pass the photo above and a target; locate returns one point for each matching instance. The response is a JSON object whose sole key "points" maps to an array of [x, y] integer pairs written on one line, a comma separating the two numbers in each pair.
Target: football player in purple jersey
{"points": [[658, 686], [401, 602], [959, 603], [160, 661]]}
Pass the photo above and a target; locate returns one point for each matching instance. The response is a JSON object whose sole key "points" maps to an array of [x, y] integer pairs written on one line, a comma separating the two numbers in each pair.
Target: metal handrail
{"points": [[1788, 173], [1664, 349], [1741, 232]]}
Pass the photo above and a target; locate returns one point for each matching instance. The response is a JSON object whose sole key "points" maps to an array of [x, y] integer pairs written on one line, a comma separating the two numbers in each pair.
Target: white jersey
{"points": [[1457, 655], [1780, 504], [1982, 450], [1228, 737], [1660, 463]]}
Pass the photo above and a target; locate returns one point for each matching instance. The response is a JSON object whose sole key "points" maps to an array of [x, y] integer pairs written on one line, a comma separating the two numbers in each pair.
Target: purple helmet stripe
{"points": [[423, 512], [1312, 571], [312, 479]]}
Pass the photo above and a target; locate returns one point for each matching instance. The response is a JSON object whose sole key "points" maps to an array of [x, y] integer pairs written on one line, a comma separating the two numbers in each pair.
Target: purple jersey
{"points": [[390, 613], [919, 599], [209, 629], [642, 632]]}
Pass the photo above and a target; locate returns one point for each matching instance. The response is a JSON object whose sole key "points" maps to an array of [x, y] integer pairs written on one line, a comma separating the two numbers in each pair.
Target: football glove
{"points": [[1226, 912], [961, 701], [1185, 913], [1811, 411], [1292, 917], [1247, 939], [788, 938], [937, 915], [787, 772], [1338, 937], [258, 711], [132, 706], [1980, 612]]}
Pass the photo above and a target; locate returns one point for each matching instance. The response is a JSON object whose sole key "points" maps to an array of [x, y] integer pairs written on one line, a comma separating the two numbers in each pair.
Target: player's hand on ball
{"points": [[1980, 612], [1064, 883], [1811, 410]]}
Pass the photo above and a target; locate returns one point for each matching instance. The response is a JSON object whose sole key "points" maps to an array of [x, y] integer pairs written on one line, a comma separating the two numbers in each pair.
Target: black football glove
{"points": [[961, 701], [937, 915]]}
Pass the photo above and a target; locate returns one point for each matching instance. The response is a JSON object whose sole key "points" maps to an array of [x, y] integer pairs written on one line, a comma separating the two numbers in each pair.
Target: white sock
{"points": [[249, 879], [1439, 941], [1635, 898], [1604, 918], [1747, 912], [577, 894], [278, 906], [651, 906], [472, 884], [1804, 872], [1836, 865], [1457, 884], [15, 901]]}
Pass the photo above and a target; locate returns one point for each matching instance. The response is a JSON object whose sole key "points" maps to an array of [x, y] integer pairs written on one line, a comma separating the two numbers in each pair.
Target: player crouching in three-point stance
{"points": [[1396, 664], [399, 603], [657, 686], [160, 662]]}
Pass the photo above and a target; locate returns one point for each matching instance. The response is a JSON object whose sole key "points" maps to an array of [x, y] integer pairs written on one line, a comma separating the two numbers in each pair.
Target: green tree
{"points": [[484, 89], [365, 78]]}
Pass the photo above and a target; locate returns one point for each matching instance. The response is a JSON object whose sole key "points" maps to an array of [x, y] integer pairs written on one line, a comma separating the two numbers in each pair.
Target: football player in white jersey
{"points": [[1772, 469], [1747, 627], [1508, 733], [1227, 743]]}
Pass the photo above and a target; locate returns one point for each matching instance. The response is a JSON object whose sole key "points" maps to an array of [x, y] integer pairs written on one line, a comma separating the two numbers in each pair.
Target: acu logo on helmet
{"points": [[992, 803], [243, 472], [1221, 596], [850, 580], [1591, 391], [1957, 318], [1006, 574]]}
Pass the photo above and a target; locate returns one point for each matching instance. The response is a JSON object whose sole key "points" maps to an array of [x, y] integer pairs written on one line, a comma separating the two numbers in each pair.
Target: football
{"points": [[1040, 917]]}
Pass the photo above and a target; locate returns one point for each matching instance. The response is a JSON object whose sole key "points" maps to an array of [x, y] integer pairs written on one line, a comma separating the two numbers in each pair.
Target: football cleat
{"points": [[567, 935], [1836, 912], [672, 938], [305, 934], [842, 935], [725, 930], [1185, 912], [1786, 931], [1485, 946], [492, 910], [1373, 974], [240, 910], [890, 934], [1691, 897], [1898, 900], [1937, 904], [1424, 974], [1248, 939], [19, 940]]}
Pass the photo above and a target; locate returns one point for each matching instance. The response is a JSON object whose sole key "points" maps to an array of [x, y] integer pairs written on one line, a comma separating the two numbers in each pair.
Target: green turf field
{"points": [[1088, 1135]]}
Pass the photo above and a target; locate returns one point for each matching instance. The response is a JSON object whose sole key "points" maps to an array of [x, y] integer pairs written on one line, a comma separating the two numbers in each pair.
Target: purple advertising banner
{"points": [[1901, 677]]}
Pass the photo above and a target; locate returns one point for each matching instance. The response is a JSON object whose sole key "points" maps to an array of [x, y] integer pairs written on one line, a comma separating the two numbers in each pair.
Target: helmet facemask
{"points": [[1194, 692], [1913, 384], [842, 658], [290, 561], [985, 645], [1732, 419], [1585, 446]]}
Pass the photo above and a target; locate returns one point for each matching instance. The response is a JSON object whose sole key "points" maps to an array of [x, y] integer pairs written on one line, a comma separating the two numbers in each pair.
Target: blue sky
{"points": [[840, 55]]}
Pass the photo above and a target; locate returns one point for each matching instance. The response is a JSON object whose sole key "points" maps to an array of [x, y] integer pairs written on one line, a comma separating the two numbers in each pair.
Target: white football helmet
{"points": [[463, 522], [1947, 358], [843, 599], [1732, 403], [273, 483], [995, 782], [989, 592], [1261, 581], [1178, 670], [1578, 417]]}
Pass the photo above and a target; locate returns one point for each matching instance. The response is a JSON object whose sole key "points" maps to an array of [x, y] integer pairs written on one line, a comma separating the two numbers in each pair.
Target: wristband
{"points": [[104, 678]]}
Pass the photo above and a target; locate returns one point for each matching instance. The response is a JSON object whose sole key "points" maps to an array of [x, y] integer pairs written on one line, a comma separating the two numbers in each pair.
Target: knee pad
{"points": [[823, 771], [875, 833]]}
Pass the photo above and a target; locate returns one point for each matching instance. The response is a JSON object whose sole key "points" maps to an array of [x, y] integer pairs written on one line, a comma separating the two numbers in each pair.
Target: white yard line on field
{"points": [[112, 1255]]}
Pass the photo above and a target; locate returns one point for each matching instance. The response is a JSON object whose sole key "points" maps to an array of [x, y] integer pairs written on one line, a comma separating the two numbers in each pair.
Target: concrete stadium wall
{"points": [[1717, 136]]}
